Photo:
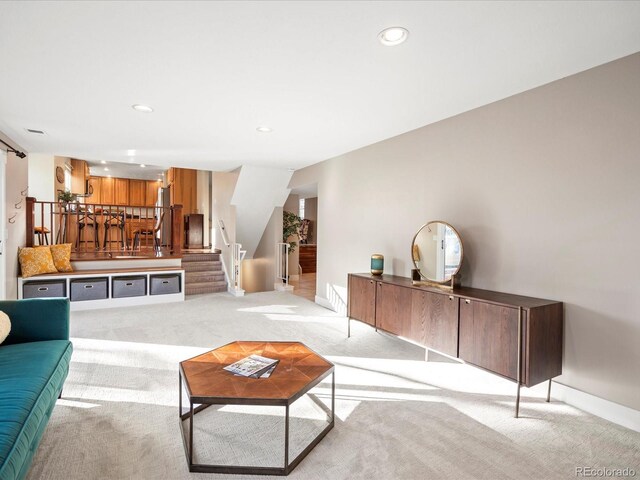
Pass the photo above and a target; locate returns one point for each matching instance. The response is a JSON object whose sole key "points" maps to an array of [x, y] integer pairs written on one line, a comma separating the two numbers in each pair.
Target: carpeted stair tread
{"points": [[204, 277], [200, 257], [203, 273], [201, 266], [208, 287]]}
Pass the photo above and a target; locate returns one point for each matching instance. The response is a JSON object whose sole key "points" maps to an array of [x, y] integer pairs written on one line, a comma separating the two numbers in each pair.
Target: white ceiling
{"points": [[125, 170], [313, 71]]}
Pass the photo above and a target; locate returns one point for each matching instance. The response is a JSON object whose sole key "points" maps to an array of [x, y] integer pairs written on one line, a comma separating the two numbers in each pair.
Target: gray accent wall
{"points": [[544, 188]]}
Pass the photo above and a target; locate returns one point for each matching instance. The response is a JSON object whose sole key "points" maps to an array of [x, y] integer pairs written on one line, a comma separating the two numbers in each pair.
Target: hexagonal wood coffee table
{"points": [[207, 383]]}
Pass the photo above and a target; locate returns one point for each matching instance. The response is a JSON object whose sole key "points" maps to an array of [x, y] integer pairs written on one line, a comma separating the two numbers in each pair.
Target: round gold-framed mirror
{"points": [[437, 252]]}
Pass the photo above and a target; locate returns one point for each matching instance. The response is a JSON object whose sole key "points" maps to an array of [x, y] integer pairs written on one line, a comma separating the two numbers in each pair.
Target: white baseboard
{"points": [[614, 412], [282, 287], [236, 293]]}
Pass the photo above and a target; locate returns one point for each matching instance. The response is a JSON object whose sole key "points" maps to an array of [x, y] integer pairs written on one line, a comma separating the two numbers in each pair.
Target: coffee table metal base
{"points": [[252, 470]]}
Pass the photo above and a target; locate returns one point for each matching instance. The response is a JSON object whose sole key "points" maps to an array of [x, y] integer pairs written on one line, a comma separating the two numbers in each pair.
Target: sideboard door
{"points": [[434, 321], [393, 309], [362, 299], [489, 336]]}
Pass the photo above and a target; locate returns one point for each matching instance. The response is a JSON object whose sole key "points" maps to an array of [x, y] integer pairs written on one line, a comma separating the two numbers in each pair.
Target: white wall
{"points": [[257, 192], [223, 185], [543, 188], [258, 273], [42, 176], [16, 175], [204, 203]]}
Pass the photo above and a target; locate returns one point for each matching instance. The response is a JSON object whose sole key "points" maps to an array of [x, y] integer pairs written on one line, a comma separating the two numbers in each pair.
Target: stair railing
{"points": [[282, 263], [236, 269]]}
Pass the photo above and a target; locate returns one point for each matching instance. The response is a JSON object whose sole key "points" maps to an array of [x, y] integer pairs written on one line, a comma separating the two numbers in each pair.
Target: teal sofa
{"points": [[34, 362]]}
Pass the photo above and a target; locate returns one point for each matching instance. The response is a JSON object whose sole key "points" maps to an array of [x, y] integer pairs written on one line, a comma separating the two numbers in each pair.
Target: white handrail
{"points": [[236, 269], [282, 262]]}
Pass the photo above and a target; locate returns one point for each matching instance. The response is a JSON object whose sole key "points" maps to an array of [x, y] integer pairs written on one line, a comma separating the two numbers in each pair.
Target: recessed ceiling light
{"points": [[142, 108], [103, 162], [142, 165], [264, 129], [106, 169], [393, 36]]}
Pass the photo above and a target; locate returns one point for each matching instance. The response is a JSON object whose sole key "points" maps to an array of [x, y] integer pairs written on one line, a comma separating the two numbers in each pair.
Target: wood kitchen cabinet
{"points": [[184, 188], [121, 191], [478, 326], [151, 192], [95, 189], [108, 192], [79, 176], [137, 192], [362, 299]]}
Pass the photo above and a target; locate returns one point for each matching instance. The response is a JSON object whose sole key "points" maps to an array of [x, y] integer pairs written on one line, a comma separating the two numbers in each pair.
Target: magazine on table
{"points": [[253, 366]]}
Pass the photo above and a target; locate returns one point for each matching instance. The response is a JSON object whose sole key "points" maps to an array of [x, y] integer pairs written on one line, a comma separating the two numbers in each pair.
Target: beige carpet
{"points": [[397, 416]]}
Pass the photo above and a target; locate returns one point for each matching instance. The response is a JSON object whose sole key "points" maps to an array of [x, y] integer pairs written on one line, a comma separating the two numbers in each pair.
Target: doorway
{"points": [[305, 285]]}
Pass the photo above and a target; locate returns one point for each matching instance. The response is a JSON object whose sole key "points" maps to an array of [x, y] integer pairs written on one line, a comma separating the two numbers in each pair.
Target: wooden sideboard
{"points": [[517, 337]]}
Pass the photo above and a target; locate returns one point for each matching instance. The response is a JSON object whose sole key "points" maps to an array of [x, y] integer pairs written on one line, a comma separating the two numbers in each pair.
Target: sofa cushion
{"points": [[31, 377]]}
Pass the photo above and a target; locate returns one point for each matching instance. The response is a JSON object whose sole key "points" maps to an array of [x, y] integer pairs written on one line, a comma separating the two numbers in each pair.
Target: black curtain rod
{"points": [[18, 153]]}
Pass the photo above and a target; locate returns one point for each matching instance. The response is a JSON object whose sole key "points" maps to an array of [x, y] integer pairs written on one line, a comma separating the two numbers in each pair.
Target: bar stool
{"points": [[119, 218], [42, 232], [86, 219]]}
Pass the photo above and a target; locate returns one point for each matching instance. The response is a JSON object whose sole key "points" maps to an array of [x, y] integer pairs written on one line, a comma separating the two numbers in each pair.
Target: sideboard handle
{"points": [[450, 297], [467, 301], [370, 281]]}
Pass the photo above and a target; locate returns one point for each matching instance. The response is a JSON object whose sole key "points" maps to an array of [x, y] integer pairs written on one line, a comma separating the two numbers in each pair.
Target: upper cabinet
{"points": [[79, 176], [121, 187], [137, 191], [151, 192], [123, 191], [184, 185]]}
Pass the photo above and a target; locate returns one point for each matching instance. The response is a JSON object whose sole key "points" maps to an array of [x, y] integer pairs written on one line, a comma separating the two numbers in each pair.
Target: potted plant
{"points": [[290, 227], [65, 198]]}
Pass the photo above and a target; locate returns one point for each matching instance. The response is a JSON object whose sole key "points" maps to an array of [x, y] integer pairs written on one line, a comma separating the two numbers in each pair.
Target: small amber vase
{"points": [[377, 264]]}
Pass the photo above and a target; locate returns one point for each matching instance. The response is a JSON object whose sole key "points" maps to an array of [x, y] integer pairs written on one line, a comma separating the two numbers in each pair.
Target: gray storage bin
{"points": [[89, 289], [129, 287], [165, 284], [44, 289]]}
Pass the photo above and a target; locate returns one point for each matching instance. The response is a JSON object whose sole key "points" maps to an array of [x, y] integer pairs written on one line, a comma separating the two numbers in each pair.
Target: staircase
{"points": [[203, 273], [307, 258]]}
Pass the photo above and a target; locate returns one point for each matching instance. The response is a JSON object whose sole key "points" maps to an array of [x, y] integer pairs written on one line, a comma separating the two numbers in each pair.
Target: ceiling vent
{"points": [[37, 132]]}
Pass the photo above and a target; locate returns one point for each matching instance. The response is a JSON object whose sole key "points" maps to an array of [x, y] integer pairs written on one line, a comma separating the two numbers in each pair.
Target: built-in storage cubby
{"points": [[108, 288], [130, 286], [496, 331], [44, 288], [165, 284], [84, 289]]}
